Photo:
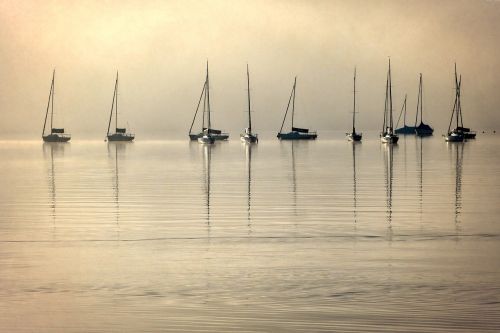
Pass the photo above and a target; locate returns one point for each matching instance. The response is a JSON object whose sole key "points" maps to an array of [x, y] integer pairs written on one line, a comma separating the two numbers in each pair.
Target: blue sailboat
{"points": [[422, 129], [405, 129], [296, 133]]}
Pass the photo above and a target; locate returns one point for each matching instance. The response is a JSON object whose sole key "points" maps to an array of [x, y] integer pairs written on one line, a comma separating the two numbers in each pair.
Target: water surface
{"points": [[280, 236]]}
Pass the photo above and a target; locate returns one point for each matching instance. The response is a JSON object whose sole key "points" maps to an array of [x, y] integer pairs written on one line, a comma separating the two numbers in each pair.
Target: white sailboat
{"points": [[248, 136], [388, 135]]}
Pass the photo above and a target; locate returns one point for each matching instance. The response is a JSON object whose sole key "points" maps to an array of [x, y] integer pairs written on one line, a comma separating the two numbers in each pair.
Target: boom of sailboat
{"points": [[209, 135]]}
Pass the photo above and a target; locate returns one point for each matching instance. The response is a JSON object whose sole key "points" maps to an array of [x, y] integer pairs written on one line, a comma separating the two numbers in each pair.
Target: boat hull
{"points": [[454, 137], [354, 136], [56, 138], [390, 139], [424, 130], [206, 139], [217, 137], [249, 138], [469, 135], [406, 130], [297, 136], [120, 137]]}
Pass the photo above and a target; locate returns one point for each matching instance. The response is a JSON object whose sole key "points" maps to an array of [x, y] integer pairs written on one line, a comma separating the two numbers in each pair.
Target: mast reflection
{"points": [[458, 148], [354, 184], [207, 161], [51, 150], [248, 153], [388, 152], [115, 150]]}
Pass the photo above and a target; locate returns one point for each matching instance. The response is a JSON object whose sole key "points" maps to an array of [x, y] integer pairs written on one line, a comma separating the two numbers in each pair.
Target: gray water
{"points": [[156, 236]]}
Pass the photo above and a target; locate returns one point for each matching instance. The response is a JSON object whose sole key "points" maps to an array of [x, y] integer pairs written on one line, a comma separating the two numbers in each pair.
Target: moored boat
{"points": [[248, 136], [353, 135], [405, 129], [296, 133], [422, 129], [120, 133], [56, 134], [217, 135], [387, 135]]}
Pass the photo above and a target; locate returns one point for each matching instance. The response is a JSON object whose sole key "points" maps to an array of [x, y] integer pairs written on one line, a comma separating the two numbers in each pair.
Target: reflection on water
{"points": [[388, 152], [207, 163], [248, 155], [51, 149], [354, 192], [457, 149], [172, 236]]}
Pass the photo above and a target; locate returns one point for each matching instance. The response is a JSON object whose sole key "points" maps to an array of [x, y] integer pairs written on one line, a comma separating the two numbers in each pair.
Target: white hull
{"points": [[206, 139]]}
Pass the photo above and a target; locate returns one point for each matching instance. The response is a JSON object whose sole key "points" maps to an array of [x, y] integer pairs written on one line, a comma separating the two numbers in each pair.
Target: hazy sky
{"points": [[160, 49]]}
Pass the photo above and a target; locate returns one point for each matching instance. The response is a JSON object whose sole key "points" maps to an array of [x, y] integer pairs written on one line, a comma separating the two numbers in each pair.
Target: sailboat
{"points": [[405, 129], [458, 134], [388, 135], [468, 134], [296, 133], [353, 136], [422, 129], [207, 134], [249, 136], [120, 132], [56, 134]]}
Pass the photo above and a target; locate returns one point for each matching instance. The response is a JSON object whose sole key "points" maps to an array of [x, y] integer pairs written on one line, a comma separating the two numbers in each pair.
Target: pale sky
{"points": [[160, 49]]}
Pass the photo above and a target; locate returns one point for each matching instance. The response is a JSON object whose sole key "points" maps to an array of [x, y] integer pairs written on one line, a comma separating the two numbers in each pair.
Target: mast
{"points": [[385, 106], [459, 101], [390, 98], [197, 107], [52, 101], [249, 117], [454, 108], [419, 102], [421, 99], [354, 104], [116, 101], [288, 106], [204, 106], [112, 103], [208, 101], [459, 104], [48, 103], [293, 102]]}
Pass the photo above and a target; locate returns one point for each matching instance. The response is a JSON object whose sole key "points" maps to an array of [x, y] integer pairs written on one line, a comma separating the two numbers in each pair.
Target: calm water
{"points": [[284, 237]]}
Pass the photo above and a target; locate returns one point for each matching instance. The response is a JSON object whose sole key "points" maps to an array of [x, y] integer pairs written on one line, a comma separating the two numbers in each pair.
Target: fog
{"points": [[160, 49]]}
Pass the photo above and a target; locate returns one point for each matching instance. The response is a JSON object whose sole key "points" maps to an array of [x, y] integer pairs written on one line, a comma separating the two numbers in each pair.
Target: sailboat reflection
{"points": [[248, 153], [294, 179], [458, 148], [420, 150], [51, 149], [115, 150], [354, 184], [207, 161], [388, 152]]}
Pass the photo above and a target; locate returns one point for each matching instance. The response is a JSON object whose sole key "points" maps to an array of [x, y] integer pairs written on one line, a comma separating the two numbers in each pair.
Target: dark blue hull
{"points": [[297, 136], [405, 130], [120, 137], [56, 138]]}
